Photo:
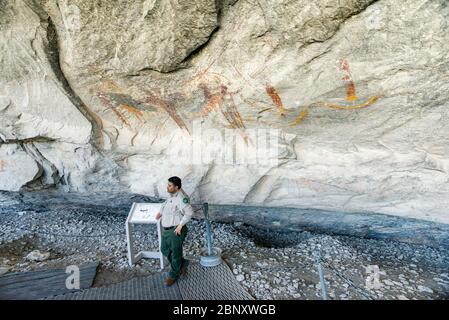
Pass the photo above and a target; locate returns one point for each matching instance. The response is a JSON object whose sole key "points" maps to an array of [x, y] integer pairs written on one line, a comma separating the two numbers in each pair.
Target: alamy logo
{"points": [[375, 21], [373, 278], [73, 280]]}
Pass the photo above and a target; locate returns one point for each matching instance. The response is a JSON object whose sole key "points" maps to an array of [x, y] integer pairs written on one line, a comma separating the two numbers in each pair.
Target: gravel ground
{"points": [[269, 264]]}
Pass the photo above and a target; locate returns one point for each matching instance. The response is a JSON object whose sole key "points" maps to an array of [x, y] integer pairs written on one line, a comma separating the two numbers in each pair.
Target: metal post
{"points": [[321, 274], [212, 256], [208, 233], [159, 237], [130, 240]]}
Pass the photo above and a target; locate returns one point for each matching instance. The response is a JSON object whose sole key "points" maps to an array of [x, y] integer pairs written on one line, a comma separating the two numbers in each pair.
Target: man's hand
{"points": [[178, 229], [158, 216]]}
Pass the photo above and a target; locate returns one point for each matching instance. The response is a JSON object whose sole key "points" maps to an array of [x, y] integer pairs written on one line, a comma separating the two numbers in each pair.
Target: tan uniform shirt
{"points": [[176, 209]]}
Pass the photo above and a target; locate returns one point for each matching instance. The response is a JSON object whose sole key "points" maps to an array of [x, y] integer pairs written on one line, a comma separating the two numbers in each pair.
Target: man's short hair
{"points": [[176, 181]]}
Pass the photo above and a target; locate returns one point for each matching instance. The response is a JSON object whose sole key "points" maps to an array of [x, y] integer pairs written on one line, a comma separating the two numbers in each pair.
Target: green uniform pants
{"points": [[171, 247]]}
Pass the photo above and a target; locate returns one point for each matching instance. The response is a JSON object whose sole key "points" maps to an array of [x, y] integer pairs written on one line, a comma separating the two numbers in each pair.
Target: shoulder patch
{"points": [[185, 200]]}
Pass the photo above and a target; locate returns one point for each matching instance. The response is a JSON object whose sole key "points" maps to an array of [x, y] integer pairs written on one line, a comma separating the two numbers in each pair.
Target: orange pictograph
{"points": [[168, 106], [215, 88], [347, 77], [271, 91], [232, 114], [218, 98], [276, 103], [122, 104], [214, 100], [2, 164], [223, 100], [351, 96]]}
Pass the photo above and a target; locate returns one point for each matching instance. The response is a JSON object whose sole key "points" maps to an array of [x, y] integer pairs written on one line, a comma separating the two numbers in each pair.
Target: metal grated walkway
{"points": [[216, 283], [39, 284], [213, 283]]}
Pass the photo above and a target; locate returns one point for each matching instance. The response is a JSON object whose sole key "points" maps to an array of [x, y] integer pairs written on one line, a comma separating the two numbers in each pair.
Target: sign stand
{"points": [[143, 213]]}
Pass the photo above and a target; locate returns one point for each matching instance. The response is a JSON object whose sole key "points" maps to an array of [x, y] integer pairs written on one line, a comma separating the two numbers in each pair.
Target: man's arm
{"points": [[159, 214], [188, 213], [187, 209]]}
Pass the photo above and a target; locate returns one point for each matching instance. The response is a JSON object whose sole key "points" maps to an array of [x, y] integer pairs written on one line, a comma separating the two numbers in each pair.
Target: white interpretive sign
{"points": [[143, 213]]}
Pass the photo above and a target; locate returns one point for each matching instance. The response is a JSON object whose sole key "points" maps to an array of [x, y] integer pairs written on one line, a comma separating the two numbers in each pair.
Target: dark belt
{"points": [[169, 228]]}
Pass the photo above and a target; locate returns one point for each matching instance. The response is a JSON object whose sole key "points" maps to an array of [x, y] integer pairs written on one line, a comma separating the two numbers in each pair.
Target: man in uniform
{"points": [[175, 212]]}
